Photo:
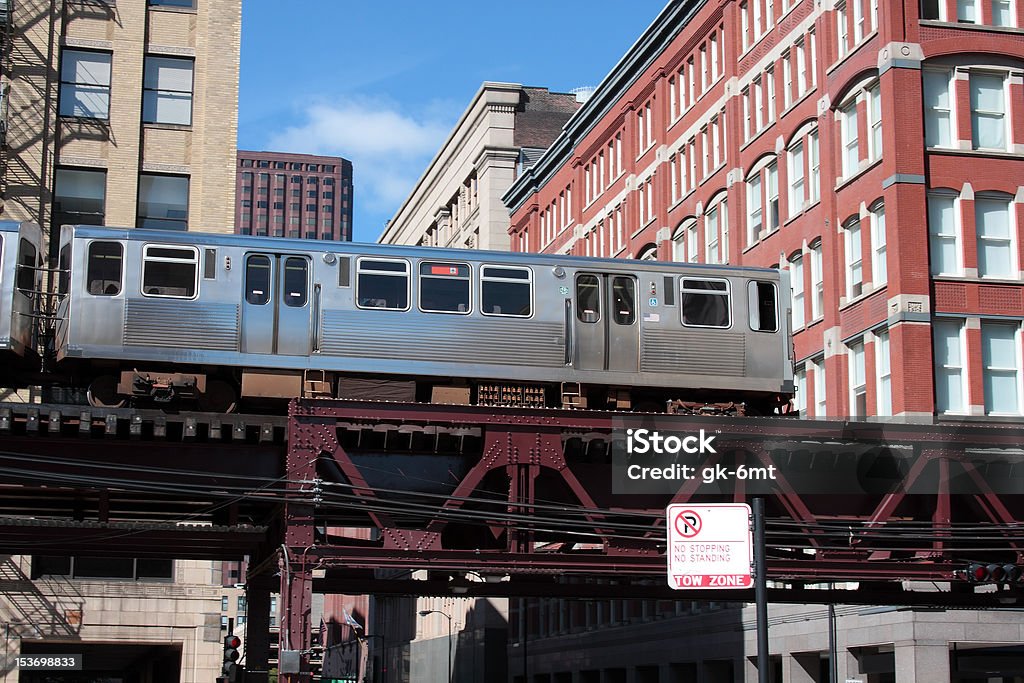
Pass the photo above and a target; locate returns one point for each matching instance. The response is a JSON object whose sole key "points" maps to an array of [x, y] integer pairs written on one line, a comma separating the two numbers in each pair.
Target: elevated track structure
{"points": [[524, 499]]}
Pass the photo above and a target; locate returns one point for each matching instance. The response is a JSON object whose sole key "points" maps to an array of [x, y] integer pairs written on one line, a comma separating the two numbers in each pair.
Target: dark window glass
{"points": [[763, 305], [310, 167], [167, 90], [104, 568], [261, 204], [296, 193], [329, 168], [85, 84], [209, 264], [279, 205], [263, 163], [328, 181], [26, 267], [929, 9], [588, 298], [705, 303], [257, 279], [623, 300], [247, 202], [444, 287], [103, 274], [79, 197], [506, 291], [328, 195], [154, 569], [294, 206], [163, 202], [382, 284], [295, 282], [48, 565], [64, 269], [169, 272], [296, 179], [246, 163], [311, 194], [310, 207], [174, 3]]}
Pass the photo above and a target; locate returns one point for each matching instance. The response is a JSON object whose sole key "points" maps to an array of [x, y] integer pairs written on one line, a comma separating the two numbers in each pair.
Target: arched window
{"points": [[716, 230], [648, 252], [683, 247]]}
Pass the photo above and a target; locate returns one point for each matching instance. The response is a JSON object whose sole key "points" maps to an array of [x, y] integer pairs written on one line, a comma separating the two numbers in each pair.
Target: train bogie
{"points": [[167, 314]]}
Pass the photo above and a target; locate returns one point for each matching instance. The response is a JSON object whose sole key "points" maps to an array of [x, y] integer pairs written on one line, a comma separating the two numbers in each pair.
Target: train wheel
{"points": [[219, 397], [102, 393]]}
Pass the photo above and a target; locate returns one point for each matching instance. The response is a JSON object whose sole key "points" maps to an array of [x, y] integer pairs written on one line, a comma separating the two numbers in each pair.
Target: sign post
{"points": [[709, 546]]}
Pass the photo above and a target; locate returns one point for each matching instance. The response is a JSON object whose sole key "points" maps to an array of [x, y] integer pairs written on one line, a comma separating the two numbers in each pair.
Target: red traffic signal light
{"points": [[994, 573]]}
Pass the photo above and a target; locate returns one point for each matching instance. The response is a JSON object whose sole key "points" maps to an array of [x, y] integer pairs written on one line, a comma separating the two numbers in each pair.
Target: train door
{"points": [[276, 310], [607, 331]]}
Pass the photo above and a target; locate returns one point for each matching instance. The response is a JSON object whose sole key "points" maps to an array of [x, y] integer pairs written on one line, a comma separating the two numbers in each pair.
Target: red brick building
{"points": [[293, 195], [875, 149]]}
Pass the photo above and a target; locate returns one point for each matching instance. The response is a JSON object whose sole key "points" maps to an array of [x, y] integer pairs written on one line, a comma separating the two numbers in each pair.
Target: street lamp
{"points": [[447, 616]]}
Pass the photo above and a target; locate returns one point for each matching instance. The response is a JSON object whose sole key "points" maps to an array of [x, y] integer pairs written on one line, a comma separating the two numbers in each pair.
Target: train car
{"points": [[179, 315], [21, 283]]}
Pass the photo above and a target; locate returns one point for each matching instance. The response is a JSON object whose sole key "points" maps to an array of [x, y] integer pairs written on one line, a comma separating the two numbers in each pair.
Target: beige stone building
{"points": [[457, 200], [121, 113]]}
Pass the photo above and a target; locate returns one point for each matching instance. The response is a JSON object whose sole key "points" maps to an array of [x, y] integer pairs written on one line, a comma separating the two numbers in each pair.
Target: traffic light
{"points": [[231, 655], [1004, 574]]}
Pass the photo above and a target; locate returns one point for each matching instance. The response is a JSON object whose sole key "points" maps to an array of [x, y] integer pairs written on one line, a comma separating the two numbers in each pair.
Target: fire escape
{"points": [[6, 14]]}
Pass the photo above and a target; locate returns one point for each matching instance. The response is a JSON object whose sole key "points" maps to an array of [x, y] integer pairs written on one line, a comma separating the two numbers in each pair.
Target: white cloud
{"points": [[388, 149]]}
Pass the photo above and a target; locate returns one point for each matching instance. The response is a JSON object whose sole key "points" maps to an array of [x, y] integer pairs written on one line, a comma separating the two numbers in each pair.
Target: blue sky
{"points": [[382, 83]]}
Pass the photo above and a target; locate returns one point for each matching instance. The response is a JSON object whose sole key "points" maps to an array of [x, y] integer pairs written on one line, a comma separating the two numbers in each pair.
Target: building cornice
{"points": [[633, 65]]}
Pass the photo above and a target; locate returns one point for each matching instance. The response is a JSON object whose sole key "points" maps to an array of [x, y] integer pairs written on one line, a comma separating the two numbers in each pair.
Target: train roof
{"points": [[279, 244], [21, 226]]}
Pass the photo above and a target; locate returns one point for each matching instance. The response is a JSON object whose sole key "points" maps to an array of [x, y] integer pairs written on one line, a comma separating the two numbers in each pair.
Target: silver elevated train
{"points": [[215, 318], [21, 283]]}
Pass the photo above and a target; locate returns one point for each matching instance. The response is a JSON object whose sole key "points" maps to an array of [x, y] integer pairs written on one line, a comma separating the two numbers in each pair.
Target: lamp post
{"points": [[447, 616]]}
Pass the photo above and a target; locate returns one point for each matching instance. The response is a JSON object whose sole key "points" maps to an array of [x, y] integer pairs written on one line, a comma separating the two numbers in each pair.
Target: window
{"points": [[858, 380], [170, 271], [995, 238], [163, 202], [444, 287], [820, 401], [771, 175], [883, 378], [506, 291], [800, 400], [296, 281], [1000, 352], [988, 111], [224, 603], [103, 273], [102, 568], [167, 91], [692, 241], [943, 235], [815, 166], [854, 266], [755, 218], [796, 278], [79, 196], [173, 3], [879, 269], [716, 232], [1002, 13], [257, 279], [938, 110], [851, 151], [950, 386], [705, 303], [382, 284], [623, 301], [817, 282], [588, 298], [843, 31], [875, 121], [967, 12], [27, 257], [763, 306], [679, 246], [795, 171], [85, 84]]}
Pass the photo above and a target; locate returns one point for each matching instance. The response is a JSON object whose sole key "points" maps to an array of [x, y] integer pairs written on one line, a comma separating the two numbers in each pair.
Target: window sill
{"points": [[172, 9], [803, 210], [956, 151], [976, 280], [799, 100], [166, 126], [645, 150], [843, 182]]}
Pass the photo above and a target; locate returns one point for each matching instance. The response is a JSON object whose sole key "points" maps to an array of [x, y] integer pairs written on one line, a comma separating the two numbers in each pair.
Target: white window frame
{"points": [[947, 234], [874, 110], [850, 142], [856, 359], [854, 252], [797, 185], [883, 373], [958, 369], [817, 281], [879, 264], [85, 73], [1005, 241], [991, 369], [934, 113], [977, 113], [820, 391], [796, 280]]}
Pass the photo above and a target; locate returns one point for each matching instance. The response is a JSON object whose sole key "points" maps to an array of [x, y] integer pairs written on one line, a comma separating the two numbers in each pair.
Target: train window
{"points": [[103, 273], [705, 303], [444, 287], [382, 284], [257, 279], [64, 269], [296, 281], [506, 291], [209, 264], [26, 267], [623, 300], [588, 298], [762, 302], [170, 271]]}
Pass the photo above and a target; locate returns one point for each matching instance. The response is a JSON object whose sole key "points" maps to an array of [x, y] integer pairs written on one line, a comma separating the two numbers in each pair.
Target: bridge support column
{"points": [[257, 635], [922, 661]]}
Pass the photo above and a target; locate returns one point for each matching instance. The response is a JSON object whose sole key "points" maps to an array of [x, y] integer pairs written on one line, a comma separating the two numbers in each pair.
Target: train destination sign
{"points": [[709, 546]]}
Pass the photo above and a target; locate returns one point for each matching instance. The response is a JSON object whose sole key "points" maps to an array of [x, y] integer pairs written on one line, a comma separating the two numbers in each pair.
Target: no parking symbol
{"points": [[688, 523]]}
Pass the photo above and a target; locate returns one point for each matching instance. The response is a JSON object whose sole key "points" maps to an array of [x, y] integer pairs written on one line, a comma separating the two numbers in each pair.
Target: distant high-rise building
{"points": [[293, 195]]}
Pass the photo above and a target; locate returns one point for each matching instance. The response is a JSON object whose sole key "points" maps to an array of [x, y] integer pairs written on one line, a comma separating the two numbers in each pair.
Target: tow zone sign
{"points": [[709, 546]]}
